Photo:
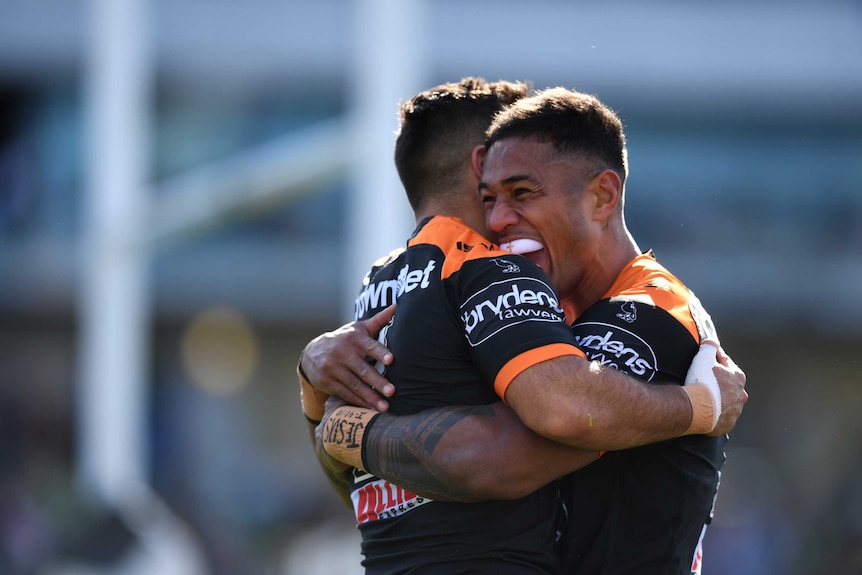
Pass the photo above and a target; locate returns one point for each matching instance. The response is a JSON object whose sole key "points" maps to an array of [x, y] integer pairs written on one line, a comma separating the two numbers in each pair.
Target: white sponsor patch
{"points": [[383, 293], [380, 499], [507, 303], [616, 347]]}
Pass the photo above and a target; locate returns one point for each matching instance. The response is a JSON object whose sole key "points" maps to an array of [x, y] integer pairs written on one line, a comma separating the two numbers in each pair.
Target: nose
{"points": [[501, 216]]}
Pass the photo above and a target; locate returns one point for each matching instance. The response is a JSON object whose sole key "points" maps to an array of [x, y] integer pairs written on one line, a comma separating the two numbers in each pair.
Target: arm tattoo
{"points": [[402, 450], [342, 432]]}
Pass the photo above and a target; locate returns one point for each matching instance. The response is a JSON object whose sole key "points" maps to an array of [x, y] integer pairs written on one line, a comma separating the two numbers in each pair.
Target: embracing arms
{"points": [[583, 404], [567, 399], [468, 453], [483, 452], [464, 453]]}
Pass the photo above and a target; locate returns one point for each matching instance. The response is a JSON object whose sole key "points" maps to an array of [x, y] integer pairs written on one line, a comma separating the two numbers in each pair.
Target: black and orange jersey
{"points": [[643, 510], [470, 317]]}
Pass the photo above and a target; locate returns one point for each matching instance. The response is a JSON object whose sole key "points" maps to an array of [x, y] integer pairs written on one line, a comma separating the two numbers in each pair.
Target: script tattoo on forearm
{"points": [[345, 429], [402, 450]]}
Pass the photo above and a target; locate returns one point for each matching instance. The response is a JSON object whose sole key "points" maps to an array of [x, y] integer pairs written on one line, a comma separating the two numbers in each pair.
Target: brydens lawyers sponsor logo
{"points": [[380, 499], [616, 347], [507, 303]]}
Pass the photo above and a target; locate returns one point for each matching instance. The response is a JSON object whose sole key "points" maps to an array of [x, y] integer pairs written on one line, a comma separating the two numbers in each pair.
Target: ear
{"points": [[477, 160], [608, 189]]}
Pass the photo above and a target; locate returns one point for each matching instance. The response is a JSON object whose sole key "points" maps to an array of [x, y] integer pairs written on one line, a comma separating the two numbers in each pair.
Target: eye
{"points": [[522, 192], [488, 201]]}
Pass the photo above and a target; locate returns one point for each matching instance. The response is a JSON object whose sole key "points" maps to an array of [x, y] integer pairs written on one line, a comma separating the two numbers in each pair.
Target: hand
{"points": [[731, 382], [337, 362]]}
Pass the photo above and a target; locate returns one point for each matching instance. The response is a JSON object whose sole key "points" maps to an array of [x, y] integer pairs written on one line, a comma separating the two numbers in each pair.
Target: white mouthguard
{"points": [[522, 246]]}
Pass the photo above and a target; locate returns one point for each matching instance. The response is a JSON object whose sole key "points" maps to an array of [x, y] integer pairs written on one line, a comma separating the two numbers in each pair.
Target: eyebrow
{"points": [[510, 180]]}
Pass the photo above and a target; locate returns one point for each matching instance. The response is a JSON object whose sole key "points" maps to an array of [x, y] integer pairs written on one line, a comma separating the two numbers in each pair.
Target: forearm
{"points": [[456, 453], [336, 472], [584, 405], [405, 451], [313, 408]]}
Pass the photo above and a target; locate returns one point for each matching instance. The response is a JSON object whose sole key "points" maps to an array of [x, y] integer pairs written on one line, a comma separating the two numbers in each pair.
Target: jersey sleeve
{"points": [[644, 340], [511, 316]]}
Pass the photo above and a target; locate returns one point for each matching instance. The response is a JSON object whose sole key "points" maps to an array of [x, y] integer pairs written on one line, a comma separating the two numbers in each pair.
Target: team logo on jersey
{"points": [[629, 313], [616, 347], [508, 267], [506, 303]]}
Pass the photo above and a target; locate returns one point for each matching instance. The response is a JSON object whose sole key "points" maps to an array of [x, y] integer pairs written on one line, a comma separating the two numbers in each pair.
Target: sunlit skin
{"points": [[470, 209], [467, 207], [567, 203]]}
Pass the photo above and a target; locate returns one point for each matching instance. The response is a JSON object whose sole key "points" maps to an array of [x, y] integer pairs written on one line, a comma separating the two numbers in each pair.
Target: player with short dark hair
{"points": [[557, 196]]}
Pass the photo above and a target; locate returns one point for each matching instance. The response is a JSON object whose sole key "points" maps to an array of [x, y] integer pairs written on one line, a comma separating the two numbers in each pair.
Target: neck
{"points": [[599, 273], [441, 208], [427, 211]]}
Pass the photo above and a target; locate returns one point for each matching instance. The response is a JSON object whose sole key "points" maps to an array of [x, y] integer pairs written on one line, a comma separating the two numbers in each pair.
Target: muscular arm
{"points": [[454, 453], [486, 452], [565, 399], [579, 403], [584, 405]]}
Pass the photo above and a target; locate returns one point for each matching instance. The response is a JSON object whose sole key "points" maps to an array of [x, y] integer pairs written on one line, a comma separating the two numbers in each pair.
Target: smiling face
{"points": [[530, 191]]}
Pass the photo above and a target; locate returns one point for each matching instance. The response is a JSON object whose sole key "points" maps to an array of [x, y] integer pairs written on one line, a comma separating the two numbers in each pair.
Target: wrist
{"points": [[313, 400], [344, 433], [704, 415], [702, 388]]}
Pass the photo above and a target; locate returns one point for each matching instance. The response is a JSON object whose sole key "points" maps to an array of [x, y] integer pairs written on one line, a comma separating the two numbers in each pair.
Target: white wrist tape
{"points": [[701, 372]]}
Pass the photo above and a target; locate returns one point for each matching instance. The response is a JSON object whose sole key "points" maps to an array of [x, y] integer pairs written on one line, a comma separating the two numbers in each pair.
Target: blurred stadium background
{"points": [[189, 191]]}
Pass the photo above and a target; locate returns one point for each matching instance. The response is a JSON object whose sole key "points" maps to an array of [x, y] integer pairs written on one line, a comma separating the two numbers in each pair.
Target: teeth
{"points": [[522, 246]]}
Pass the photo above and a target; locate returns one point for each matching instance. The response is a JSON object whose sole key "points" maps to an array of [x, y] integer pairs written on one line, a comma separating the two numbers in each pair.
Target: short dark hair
{"points": [[573, 122], [440, 127]]}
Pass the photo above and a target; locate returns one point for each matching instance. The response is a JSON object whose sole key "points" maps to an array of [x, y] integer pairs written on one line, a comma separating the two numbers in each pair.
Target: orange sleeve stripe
{"points": [[528, 359]]}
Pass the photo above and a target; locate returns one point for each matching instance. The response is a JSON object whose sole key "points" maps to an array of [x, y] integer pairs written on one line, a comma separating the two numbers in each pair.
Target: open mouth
{"points": [[522, 246], [530, 249]]}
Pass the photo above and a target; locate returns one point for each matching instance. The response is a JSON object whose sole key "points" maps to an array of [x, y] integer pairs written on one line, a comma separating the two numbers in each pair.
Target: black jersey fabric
{"points": [[465, 311], [643, 511]]}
